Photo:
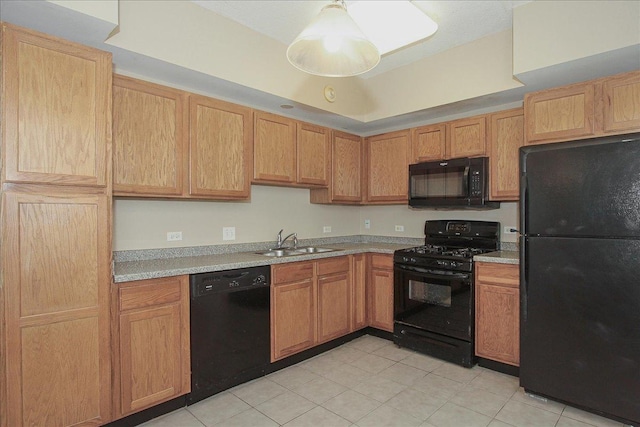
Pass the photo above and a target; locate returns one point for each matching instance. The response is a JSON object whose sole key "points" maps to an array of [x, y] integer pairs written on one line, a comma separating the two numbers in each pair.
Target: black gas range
{"points": [[433, 288]]}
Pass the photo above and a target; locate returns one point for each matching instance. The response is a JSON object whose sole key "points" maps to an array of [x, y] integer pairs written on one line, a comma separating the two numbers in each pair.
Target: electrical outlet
{"points": [[400, 228], [172, 236], [326, 229], [228, 233], [367, 223], [509, 230]]}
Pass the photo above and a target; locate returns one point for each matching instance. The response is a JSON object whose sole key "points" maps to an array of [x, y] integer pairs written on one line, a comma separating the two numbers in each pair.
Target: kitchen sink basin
{"points": [[279, 252], [314, 250], [293, 252]]}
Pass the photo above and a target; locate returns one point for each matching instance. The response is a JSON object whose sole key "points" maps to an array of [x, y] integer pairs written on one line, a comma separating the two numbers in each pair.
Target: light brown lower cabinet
{"points": [[334, 298], [293, 308], [151, 343], [54, 321], [497, 302], [380, 291], [359, 295], [313, 302]]}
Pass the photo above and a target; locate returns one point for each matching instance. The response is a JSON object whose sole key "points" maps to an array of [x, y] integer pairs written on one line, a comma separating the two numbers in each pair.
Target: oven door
{"points": [[435, 301]]}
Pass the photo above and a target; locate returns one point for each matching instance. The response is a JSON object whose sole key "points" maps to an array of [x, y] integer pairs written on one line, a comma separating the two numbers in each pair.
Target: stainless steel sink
{"points": [[279, 252], [293, 252], [314, 250]]}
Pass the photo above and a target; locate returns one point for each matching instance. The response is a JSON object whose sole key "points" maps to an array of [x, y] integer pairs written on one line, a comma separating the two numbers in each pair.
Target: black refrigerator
{"points": [[580, 274]]}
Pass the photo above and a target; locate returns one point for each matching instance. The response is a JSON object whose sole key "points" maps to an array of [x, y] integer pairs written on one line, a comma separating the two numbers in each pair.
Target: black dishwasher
{"points": [[230, 339]]}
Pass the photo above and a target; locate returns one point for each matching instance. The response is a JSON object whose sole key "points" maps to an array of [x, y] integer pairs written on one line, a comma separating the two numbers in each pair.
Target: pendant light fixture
{"points": [[333, 45]]}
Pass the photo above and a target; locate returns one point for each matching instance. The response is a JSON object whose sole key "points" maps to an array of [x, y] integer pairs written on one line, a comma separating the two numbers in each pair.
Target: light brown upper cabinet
{"points": [[313, 152], [605, 106], [622, 103], [345, 185], [170, 143], [57, 110], [274, 146], [290, 153], [387, 158], [428, 143], [467, 137], [150, 138], [221, 149], [560, 113], [506, 138]]}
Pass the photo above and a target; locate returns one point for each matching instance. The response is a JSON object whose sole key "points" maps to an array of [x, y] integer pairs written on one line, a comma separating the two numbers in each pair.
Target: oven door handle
{"points": [[434, 274]]}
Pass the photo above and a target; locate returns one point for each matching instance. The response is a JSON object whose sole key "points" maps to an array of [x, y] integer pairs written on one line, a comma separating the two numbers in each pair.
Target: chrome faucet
{"points": [[280, 241]]}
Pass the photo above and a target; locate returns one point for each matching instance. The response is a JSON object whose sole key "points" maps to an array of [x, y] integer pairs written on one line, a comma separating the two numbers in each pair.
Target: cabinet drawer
{"points": [[382, 261], [145, 293], [503, 274], [290, 272], [333, 265]]}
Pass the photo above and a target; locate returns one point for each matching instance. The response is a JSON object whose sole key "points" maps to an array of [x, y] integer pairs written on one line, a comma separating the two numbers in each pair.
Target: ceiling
{"points": [[459, 22]]}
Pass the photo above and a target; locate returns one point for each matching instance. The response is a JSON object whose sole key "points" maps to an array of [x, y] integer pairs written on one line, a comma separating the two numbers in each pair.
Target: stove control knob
{"points": [[405, 259], [414, 260], [441, 262], [453, 264]]}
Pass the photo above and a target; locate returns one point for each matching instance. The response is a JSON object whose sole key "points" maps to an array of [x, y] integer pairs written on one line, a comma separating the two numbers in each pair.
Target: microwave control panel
{"points": [[476, 184]]}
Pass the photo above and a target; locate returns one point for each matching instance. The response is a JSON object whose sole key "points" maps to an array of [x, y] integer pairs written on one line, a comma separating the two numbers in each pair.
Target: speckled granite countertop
{"points": [[499, 257], [127, 271]]}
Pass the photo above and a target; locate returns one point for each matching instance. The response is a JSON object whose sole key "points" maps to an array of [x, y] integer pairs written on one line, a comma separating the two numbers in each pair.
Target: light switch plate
{"points": [[400, 228], [326, 229]]}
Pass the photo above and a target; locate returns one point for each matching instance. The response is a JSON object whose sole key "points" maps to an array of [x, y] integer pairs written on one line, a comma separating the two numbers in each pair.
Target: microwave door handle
{"points": [[466, 181]]}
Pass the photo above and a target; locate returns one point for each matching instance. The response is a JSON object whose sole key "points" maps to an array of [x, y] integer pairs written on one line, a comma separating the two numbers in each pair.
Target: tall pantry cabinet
{"points": [[55, 243]]}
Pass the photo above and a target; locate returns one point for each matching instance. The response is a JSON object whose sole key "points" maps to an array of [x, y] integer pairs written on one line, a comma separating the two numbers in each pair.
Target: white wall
{"points": [[143, 224]]}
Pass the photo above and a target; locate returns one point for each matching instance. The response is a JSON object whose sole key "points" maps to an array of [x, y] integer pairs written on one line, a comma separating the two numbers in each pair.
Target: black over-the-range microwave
{"points": [[451, 184]]}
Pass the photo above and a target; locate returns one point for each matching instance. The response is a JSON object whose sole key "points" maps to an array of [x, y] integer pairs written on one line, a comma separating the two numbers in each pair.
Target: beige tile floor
{"points": [[370, 382]]}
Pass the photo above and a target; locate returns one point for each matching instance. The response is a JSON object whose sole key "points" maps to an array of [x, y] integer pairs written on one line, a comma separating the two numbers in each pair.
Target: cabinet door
{"points": [[346, 168], [467, 138], [345, 186], [428, 143], [154, 357], [221, 151], [622, 103], [57, 110], [334, 306], [293, 318], [560, 114], [359, 294], [150, 138], [498, 313], [507, 136], [313, 154], [56, 272], [380, 292], [274, 149], [387, 167]]}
